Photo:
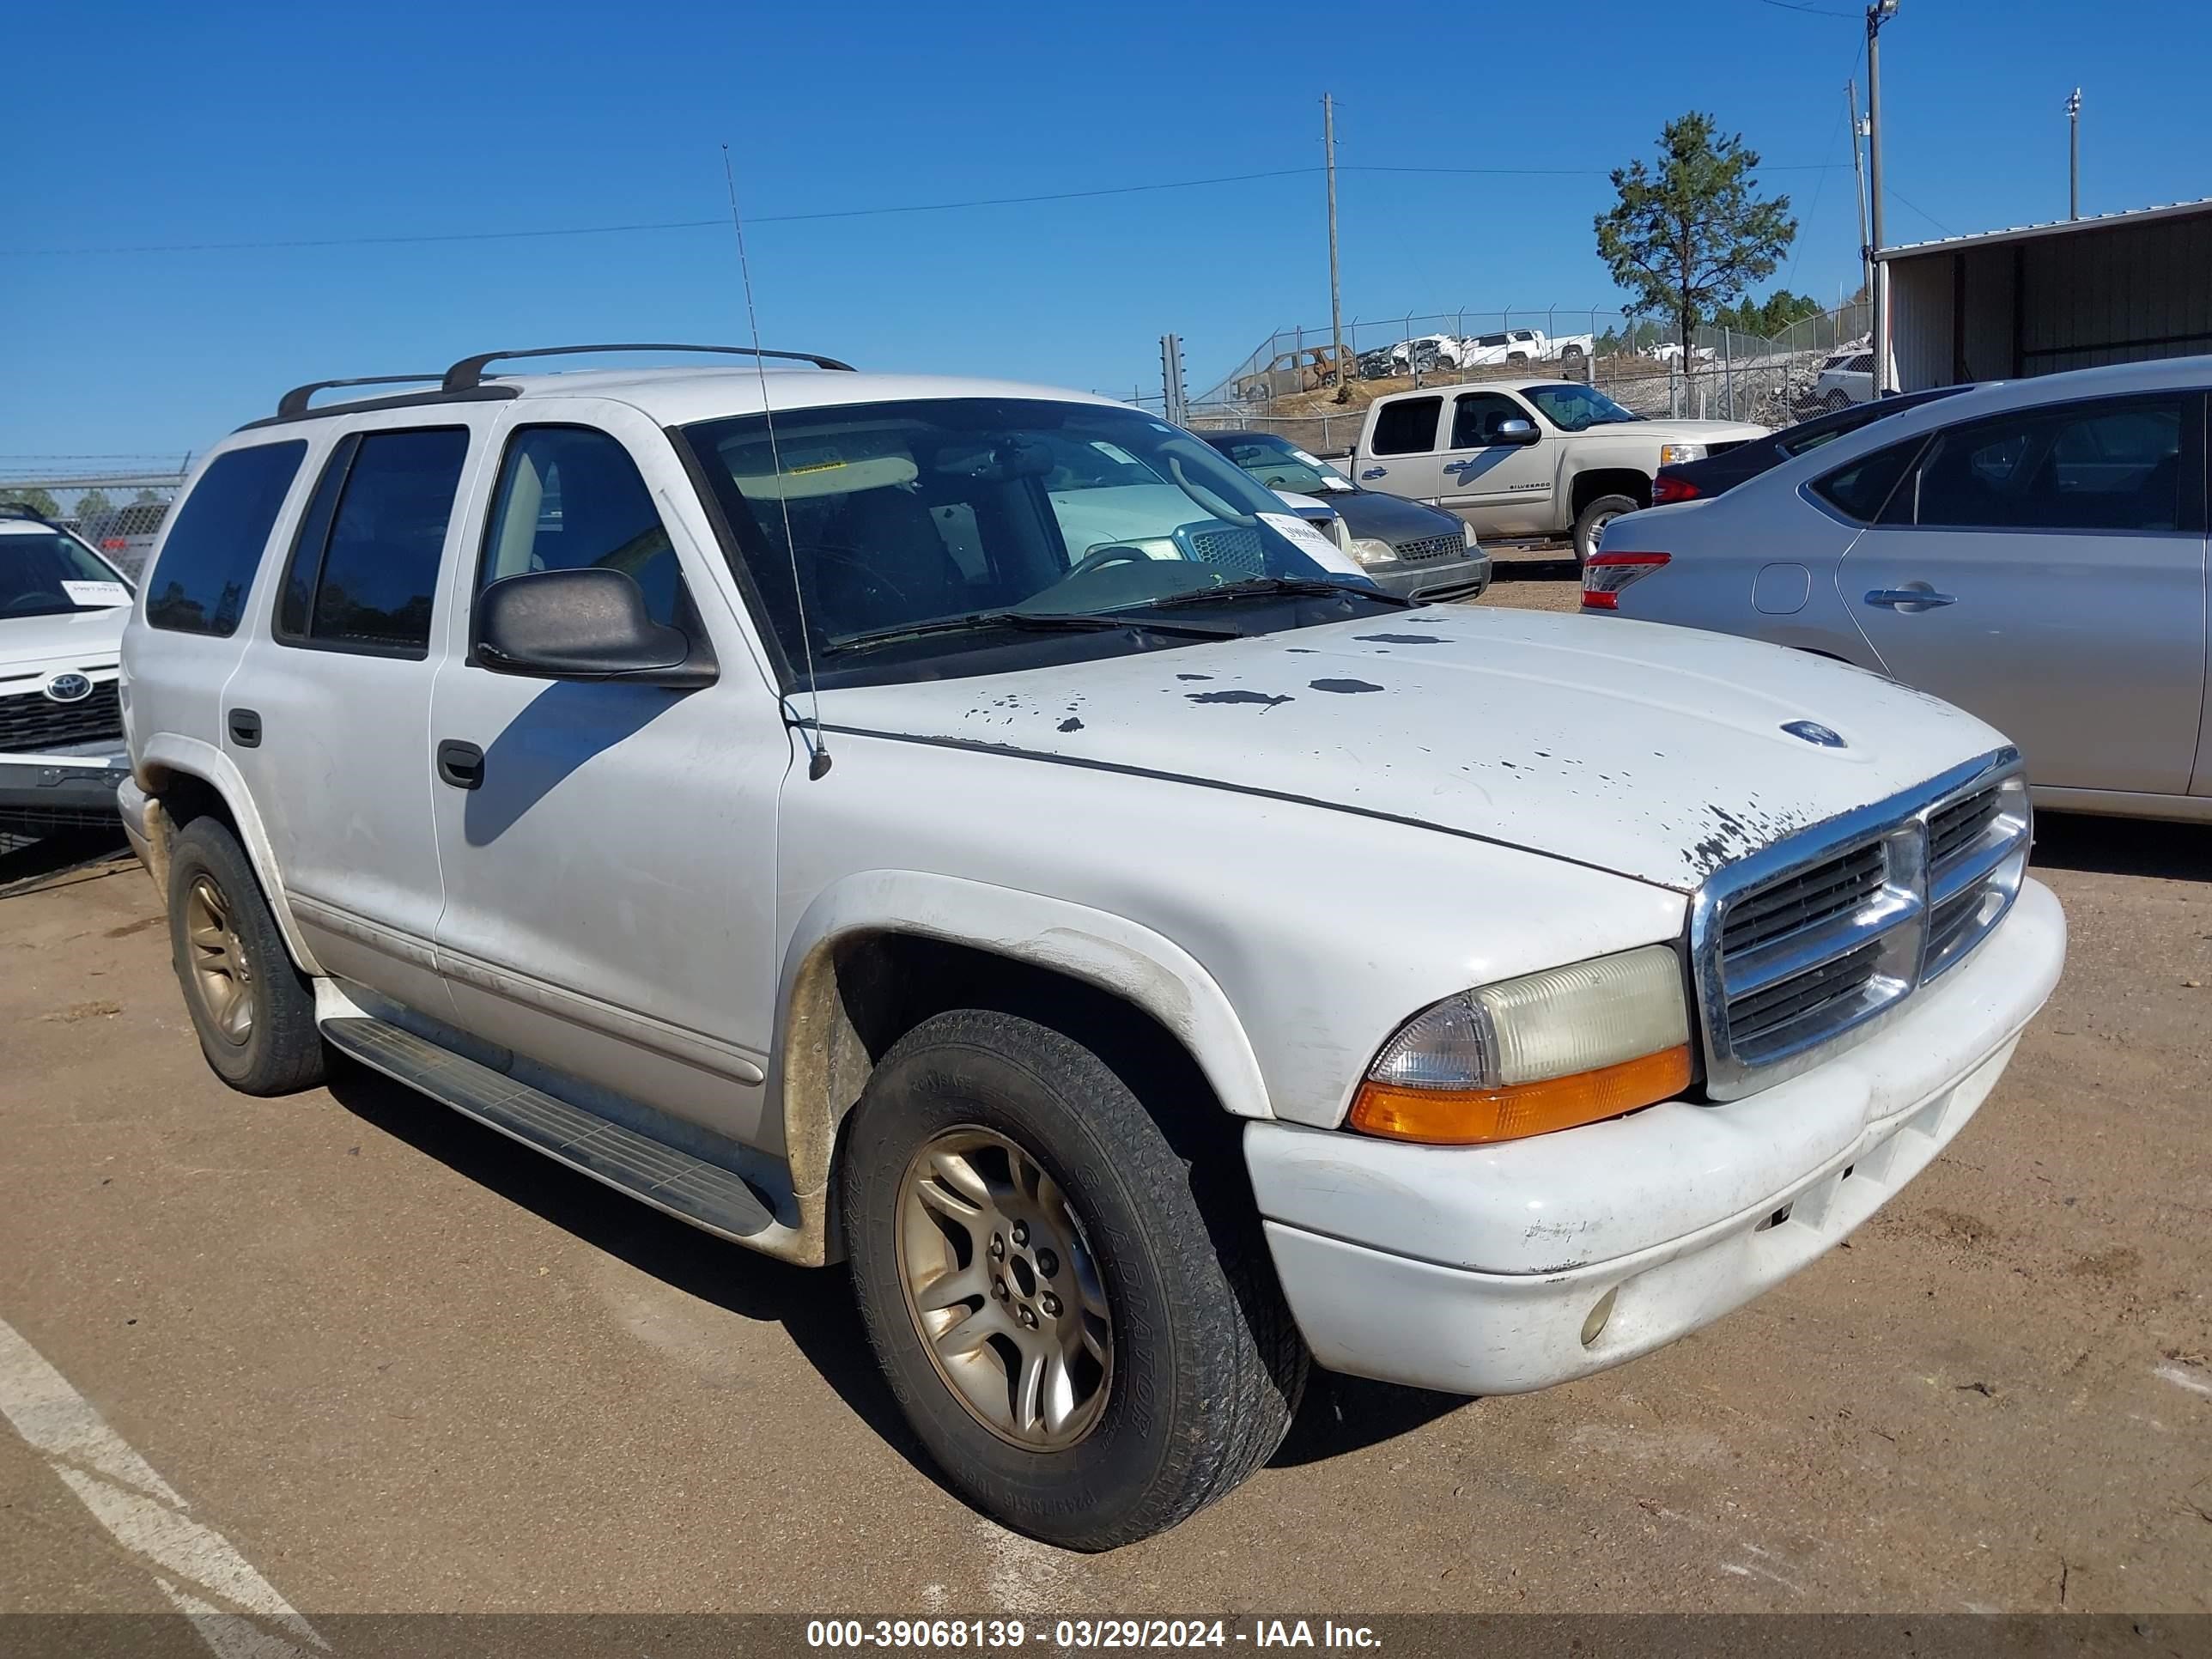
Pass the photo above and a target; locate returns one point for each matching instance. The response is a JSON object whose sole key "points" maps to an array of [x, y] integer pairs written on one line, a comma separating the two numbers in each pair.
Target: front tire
{"points": [[1087, 1359], [253, 1012], [1591, 522]]}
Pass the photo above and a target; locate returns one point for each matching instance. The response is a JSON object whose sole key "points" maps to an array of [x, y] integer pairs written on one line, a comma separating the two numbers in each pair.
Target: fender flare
{"points": [[1122, 958], [167, 753]]}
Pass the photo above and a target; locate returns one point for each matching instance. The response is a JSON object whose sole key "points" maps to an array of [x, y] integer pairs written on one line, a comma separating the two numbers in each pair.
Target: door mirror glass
{"points": [[583, 625], [1513, 430]]}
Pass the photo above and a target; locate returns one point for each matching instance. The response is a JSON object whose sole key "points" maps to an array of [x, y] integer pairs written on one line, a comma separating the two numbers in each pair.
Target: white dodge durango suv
{"points": [[937, 825]]}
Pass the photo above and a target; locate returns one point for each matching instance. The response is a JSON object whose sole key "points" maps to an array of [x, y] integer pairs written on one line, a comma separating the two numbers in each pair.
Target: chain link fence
{"points": [[1290, 384], [116, 502]]}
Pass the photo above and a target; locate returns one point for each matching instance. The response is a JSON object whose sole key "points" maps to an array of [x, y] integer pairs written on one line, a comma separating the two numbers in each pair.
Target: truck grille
{"points": [[31, 721], [1822, 934], [1430, 547]]}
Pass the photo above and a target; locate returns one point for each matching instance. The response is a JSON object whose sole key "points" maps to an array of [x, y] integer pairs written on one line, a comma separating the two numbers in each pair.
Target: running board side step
{"points": [[690, 1188]]}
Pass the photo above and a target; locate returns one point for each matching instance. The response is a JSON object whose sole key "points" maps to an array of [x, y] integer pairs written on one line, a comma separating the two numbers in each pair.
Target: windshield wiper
{"points": [[1041, 622], [1279, 586]]}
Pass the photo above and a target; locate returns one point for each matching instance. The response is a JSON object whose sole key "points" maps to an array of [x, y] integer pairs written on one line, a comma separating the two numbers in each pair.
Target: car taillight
{"points": [[1604, 574], [1665, 490]]}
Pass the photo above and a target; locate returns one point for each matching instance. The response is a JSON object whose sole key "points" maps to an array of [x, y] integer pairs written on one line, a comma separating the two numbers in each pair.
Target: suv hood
{"points": [[1651, 751], [74, 639]]}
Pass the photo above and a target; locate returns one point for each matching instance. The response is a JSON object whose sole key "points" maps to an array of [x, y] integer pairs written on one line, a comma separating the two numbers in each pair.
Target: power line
{"points": [[1891, 192], [1810, 11], [411, 239]]}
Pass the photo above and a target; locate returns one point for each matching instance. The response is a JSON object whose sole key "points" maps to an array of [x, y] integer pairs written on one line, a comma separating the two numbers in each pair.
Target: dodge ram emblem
{"points": [[1813, 731], [68, 687]]}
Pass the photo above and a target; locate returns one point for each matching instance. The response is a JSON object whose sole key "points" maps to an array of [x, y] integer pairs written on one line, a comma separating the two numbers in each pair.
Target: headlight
{"points": [[1547, 1051], [1670, 453], [1473, 545], [1368, 549]]}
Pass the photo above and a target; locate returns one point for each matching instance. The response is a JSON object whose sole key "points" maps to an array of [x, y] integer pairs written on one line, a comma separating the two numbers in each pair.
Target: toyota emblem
{"points": [[68, 687]]}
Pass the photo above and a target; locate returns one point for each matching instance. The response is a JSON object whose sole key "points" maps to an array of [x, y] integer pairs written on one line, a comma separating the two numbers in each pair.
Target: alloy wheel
{"points": [[220, 973], [1003, 1290]]}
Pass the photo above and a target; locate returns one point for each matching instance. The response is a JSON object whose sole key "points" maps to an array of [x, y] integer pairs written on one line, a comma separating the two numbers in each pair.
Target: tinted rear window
{"points": [[375, 574], [1858, 490], [1409, 428], [207, 565]]}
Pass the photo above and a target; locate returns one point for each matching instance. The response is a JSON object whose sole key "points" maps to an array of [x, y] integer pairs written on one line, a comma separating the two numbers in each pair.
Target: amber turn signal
{"points": [[1471, 1117]]}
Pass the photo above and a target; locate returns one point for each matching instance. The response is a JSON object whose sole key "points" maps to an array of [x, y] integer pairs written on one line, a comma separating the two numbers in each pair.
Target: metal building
{"points": [[2117, 287]]}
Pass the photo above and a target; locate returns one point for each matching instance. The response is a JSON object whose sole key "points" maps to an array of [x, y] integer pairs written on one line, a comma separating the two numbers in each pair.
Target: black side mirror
{"points": [[1513, 430], [588, 624]]}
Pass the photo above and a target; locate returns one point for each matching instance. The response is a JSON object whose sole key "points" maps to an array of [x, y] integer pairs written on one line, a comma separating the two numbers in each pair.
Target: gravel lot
{"points": [[399, 1363]]}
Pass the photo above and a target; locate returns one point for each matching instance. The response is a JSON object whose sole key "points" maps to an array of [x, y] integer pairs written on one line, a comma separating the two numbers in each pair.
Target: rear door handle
{"points": [[1376, 472], [1910, 598], [245, 728], [461, 764]]}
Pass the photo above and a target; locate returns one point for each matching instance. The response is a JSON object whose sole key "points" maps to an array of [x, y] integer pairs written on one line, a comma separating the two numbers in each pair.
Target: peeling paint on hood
{"points": [[1651, 751]]}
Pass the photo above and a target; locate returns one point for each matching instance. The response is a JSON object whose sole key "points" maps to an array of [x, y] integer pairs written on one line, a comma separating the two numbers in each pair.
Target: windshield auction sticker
{"points": [[95, 596]]}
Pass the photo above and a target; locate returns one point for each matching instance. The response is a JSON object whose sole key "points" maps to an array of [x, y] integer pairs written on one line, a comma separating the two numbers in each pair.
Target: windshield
{"points": [[46, 573], [910, 513], [1281, 464], [1577, 407]]}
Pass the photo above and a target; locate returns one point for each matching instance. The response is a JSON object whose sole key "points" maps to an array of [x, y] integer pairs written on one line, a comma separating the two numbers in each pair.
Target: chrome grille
{"points": [[1430, 547], [1827, 931], [31, 721]]}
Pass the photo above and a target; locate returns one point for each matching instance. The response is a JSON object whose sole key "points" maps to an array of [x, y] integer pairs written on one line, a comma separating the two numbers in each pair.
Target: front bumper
{"points": [[1472, 1270], [1434, 578], [65, 789]]}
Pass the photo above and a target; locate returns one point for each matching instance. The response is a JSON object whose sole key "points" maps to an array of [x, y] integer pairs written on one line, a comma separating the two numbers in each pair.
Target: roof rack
{"points": [[294, 404], [467, 375]]}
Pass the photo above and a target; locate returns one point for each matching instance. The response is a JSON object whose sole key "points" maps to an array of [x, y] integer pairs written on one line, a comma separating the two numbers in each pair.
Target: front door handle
{"points": [[461, 764], [244, 728], [1911, 598]]}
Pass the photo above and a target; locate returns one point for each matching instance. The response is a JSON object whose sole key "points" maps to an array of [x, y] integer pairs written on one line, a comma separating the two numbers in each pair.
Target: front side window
{"points": [[1476, 417], [48, 573], [1281, 464], [365, 565], [214, 545], [910, 521], [1408, 427], [2102, 466], [570, 498], [1577, 408]]}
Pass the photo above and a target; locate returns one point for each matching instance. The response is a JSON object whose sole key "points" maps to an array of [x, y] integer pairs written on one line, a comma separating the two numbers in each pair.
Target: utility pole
{"points": [[1878, 13], [2074, 155], [1858, 171], [1335, 289]]}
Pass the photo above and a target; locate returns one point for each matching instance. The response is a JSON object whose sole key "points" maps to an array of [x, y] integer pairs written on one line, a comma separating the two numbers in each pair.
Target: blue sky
{"points": [[135, 124]]}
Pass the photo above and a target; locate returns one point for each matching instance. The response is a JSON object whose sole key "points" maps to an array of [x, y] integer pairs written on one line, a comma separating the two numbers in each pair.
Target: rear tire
{"points": [[1179, 1366], [1591, 522], [252, 1009]]}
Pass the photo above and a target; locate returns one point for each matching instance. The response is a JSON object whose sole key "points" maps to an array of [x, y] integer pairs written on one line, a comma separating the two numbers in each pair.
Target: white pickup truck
{"points": [[930, 824], [1528, 458]]}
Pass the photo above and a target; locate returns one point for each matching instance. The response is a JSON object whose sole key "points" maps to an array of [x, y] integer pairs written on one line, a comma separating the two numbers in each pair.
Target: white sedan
{"points": [[2032, 550]]}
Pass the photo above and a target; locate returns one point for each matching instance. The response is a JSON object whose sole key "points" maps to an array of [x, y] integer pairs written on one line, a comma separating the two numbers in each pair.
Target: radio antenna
{"points": [[818, 746]]}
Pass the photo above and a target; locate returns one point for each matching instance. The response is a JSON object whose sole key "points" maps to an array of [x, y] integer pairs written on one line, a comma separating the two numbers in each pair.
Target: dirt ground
{"points": [[395, 1362]]}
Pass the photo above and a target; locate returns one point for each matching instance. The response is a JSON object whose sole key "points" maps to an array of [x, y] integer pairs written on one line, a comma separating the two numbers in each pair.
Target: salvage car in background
{"points": [[2032, 550], [1684, 481], [1528, 458], [125, 535], [1422, 552], [62, 611]]}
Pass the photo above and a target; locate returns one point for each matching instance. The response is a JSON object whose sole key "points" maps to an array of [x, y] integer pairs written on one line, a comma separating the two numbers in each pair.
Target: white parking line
{"points": [[141, 1511]]}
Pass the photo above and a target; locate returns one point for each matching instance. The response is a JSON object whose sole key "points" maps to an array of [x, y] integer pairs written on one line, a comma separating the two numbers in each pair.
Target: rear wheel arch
{"points": [[180, 788]]}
